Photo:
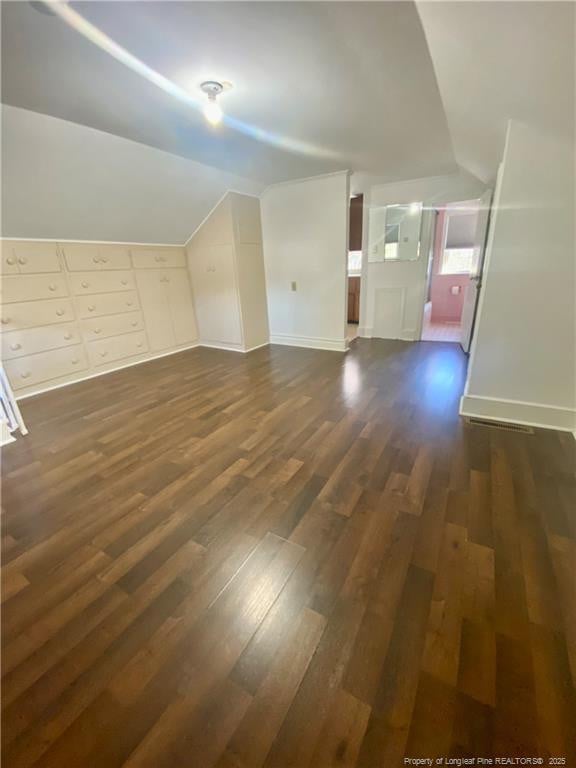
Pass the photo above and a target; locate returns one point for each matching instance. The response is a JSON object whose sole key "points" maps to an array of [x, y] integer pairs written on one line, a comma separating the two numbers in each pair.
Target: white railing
{"points": [[10, 415]]}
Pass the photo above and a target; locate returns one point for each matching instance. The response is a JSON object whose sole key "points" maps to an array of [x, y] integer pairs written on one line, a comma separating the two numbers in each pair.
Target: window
{"points": [[457, 261], [390, 251], [354, 262]]}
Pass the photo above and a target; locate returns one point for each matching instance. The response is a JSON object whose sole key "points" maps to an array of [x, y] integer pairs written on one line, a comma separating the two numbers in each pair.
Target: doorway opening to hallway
{"points": [[354, 265], [451, 271]]}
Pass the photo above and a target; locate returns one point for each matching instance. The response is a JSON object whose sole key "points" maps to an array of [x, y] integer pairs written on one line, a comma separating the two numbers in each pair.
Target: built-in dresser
{"points": [[70, 310]]}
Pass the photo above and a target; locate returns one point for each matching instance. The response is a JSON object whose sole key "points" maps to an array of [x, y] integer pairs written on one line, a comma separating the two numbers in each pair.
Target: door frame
{"points": [[479, 277]]}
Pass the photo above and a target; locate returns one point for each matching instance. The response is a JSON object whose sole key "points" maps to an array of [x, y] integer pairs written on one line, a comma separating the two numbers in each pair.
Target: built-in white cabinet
{"points": [[22, 258], [155, 310], [158, 258], [167, 307], [216, 294], [117, 348], [179, 298], [82, 257], [28, 314], [106, 304], [227, 267], [37, 369], [85, 283], [112, 325], [71, 310], [32, 287], [29, 341]]}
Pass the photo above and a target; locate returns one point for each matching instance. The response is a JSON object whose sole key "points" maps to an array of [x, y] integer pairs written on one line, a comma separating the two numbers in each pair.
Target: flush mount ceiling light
{"points": [[212, 110], [91, 32]]}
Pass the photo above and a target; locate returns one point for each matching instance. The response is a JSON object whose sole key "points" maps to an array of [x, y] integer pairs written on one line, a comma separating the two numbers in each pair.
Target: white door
{"points": [[180, 306], [153, 296], [473, 288], [216, 294]]}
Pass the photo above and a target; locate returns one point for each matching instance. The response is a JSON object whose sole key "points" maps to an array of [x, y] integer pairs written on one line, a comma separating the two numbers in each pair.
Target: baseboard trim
{"points": [[519, 412], [310, 342], [231, 347], [149, 359], [59, 385], [223, 346]]}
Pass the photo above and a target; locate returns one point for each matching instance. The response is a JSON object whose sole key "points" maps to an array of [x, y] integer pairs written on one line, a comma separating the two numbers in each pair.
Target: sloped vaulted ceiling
{"points": [[500, 60], [389, 89], [351, 82]]}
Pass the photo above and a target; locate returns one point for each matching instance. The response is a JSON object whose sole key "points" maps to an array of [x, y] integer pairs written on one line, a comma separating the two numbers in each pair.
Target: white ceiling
{"points": [[389, 90], [354, 80], [500, 60]]}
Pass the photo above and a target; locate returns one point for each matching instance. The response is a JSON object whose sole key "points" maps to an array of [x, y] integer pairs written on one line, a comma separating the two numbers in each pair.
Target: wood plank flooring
{"points": [[289, 558]]}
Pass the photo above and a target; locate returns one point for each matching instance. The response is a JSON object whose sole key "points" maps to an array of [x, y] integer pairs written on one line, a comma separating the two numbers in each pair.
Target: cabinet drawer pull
{"points": [[67, 336], [59, 312], [97, 330], [95, 259], [157, 258], [124, 282], [139, 344], [91, 308], [129, 303], [134, 323], [85, 284], [52, 287], [103, 353], [25, 375], [5, 320], [104, 259], [75, 361], [22, 260], [16, 346], [10, 260]]}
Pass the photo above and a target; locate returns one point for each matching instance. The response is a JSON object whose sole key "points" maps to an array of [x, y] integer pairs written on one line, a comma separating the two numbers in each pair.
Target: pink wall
{"points": [[445, 306]]}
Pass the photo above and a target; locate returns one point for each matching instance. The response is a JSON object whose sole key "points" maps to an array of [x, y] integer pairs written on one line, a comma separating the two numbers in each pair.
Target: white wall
{"points": [[522, 363], [392, 294], [64, 181], [305, 232]]}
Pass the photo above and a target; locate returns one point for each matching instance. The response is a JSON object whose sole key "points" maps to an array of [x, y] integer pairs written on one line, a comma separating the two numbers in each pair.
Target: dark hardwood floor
{"points": [[289, 558]]}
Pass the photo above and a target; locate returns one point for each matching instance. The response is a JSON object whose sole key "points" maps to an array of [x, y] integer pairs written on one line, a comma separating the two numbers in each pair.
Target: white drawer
{"points": [[29, 314], [88, 256], [34, 369], [8, 262], [107, 304], [33, 340], [22, 257], [101, 282], [150, 258], [32, 287], [113, 325], [117, 348]]}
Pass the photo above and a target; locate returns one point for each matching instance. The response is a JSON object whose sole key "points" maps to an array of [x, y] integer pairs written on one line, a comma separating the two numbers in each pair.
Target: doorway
{"points": [[354, 264], [450, 270]]}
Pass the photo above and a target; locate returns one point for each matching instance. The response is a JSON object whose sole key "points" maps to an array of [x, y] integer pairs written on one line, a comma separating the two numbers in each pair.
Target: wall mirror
{"points": [[395, 233]]}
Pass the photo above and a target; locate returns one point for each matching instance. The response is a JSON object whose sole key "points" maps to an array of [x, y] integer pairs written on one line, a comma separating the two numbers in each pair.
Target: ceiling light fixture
{"points": [[212, 110], [96, 36]]}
